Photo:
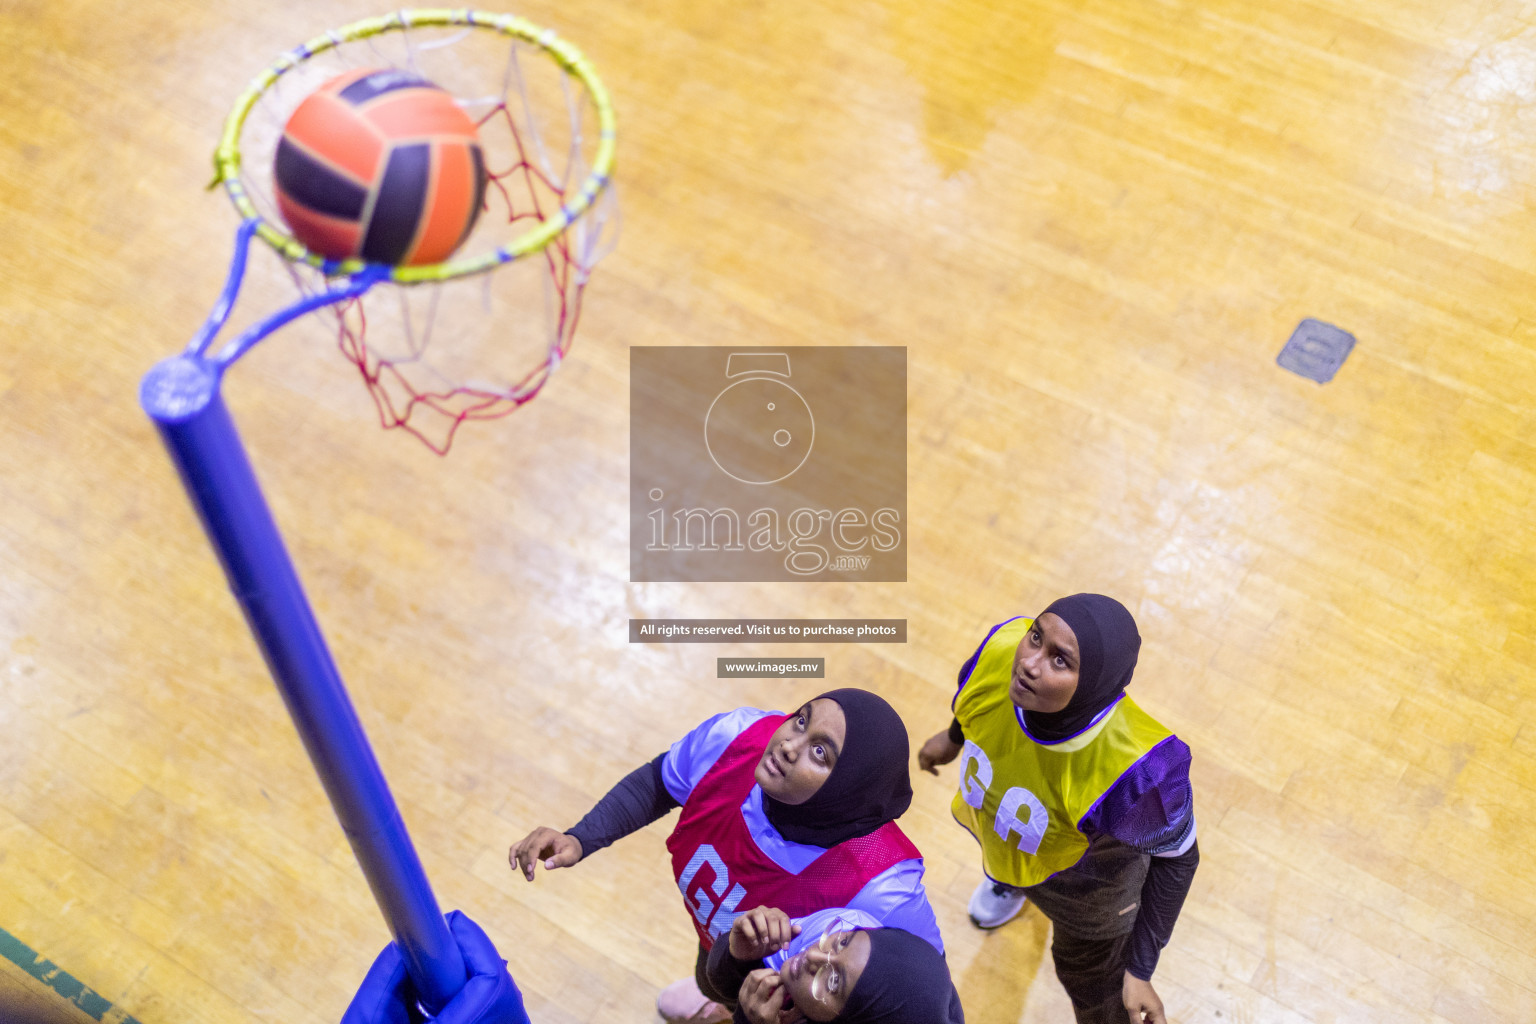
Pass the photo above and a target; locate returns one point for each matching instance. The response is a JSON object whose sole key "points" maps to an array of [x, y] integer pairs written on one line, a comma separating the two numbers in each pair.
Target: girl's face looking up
{"points": [[803, 752], [1045, 666], [817, 980]]}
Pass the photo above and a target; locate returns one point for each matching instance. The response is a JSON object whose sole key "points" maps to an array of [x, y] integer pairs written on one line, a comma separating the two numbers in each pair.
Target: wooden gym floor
{"points": [[1092, 223]]}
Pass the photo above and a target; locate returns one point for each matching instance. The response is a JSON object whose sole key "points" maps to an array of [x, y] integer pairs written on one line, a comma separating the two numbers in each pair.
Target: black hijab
{"points": [[1108, 644], [868, 786], [906, 981]]}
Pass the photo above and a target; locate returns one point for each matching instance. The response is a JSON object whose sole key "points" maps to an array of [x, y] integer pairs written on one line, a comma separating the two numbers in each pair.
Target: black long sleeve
{"points": [[725, 972], [639, 799], [1162, 897]]}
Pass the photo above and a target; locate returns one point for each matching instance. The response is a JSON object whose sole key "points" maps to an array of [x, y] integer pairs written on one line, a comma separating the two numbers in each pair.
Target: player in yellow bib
{"points": [[1080, 800]]}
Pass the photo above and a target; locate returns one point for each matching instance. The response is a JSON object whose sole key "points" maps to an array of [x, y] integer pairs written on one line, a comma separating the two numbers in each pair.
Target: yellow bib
{"points": [[1023, 800]]}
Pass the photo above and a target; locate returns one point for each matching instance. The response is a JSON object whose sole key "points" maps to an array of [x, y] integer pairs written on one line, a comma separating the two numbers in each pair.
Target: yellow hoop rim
{"points": [[226, 158]]}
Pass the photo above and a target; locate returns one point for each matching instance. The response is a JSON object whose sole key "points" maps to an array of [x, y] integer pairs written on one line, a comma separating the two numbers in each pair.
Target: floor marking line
{"points": [[74, 992]]}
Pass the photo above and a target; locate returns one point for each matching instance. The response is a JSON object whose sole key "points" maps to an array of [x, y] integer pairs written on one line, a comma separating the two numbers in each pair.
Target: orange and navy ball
{"points": [[380, 165]]}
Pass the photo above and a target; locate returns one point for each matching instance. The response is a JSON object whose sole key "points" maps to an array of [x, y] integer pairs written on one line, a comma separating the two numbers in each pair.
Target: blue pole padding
{"points": [[181, 395]]}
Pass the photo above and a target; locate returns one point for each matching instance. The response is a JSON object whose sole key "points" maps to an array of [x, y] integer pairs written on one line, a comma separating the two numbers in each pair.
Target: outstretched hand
{"points": [[760, 932], [555, 849], [939, 749]]}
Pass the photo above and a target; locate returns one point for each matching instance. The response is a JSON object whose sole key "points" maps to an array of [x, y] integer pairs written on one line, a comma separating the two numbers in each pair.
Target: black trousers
{"points": [[1093, 973]]}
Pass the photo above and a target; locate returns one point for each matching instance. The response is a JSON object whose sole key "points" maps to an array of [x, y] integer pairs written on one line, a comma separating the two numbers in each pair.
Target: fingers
{"points": [[783, 930], [750, 998], [748, 923], [743, 935], [762, 996], [773, 929], [774, 1002], [517, 861], [528, 855]]}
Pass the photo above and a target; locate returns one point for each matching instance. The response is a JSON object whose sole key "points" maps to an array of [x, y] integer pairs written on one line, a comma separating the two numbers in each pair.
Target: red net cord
{"points": [[412, 396]]}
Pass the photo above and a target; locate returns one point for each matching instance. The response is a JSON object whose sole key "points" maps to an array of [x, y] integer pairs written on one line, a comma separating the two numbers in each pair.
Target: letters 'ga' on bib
{"points": [[1023, 800], [721, 872]]}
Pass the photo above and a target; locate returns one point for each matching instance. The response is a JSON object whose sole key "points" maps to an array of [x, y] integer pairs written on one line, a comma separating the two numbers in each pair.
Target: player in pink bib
{"points": [[795, 811]]}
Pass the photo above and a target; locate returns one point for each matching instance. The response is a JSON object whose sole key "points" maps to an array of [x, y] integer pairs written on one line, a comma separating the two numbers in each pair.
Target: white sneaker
{"points": [[682, 1003], [994, 904]]}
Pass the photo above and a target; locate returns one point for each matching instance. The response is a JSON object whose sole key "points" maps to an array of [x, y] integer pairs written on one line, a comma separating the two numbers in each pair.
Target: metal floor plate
{"points": [[1316, 350]]}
